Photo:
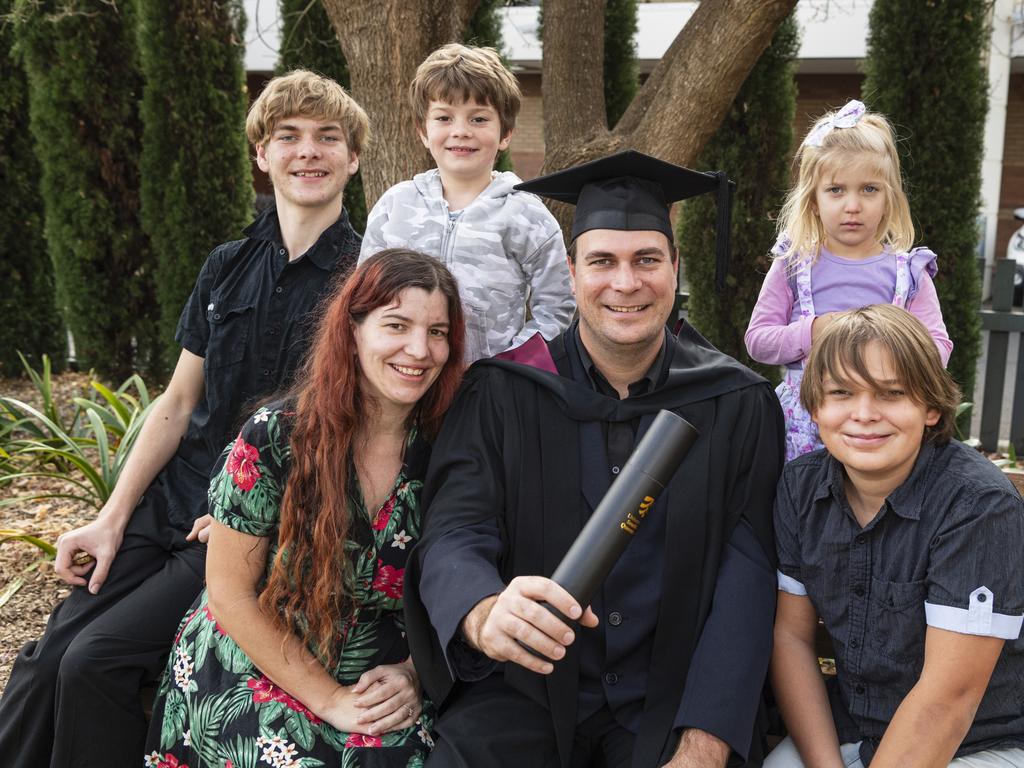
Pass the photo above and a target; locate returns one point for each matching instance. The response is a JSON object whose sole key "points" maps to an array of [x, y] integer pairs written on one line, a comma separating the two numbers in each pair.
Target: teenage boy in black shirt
{"points": [[73, 696]]}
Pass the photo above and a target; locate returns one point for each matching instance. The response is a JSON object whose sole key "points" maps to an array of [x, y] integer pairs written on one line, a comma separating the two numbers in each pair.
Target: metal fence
{"points": [[1002, 320]]}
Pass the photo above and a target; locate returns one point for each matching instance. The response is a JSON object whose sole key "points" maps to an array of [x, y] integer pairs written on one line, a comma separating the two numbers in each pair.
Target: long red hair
{"points": [[305, 590]]}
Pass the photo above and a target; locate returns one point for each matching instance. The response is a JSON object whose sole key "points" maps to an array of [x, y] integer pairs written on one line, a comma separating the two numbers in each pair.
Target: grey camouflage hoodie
{"points": [[505, 249]]}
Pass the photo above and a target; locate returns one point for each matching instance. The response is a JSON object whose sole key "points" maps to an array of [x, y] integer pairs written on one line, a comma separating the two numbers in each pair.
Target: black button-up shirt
{"points": [[251, 317], [945, 550]]}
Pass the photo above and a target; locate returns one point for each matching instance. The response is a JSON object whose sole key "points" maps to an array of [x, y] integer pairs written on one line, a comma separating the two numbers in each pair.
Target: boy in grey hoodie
{"points": [[504, 247]]}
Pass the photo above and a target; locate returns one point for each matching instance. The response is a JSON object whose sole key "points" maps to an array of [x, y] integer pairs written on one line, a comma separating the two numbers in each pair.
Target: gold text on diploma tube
{"points": [[632, 521]]}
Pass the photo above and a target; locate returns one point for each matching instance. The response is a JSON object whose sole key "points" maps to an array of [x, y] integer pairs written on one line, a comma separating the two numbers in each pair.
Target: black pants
{"points": [[73, 695], [490, 724]]}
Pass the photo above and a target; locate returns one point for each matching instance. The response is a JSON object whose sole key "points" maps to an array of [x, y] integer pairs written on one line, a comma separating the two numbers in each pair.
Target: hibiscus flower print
{"points": [[261, 417], [362, 740], [389, 580], [241, 464], [401, 539], [380, 520], [156, 760], [264, 690]]}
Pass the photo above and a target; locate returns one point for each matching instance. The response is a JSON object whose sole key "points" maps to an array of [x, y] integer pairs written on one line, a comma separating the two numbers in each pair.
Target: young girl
{"points": [[844, 242]]}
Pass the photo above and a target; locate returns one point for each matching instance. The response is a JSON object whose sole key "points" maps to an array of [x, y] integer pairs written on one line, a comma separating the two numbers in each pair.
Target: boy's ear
{"points": [[505, 140], [261, 157], [422, 133]]}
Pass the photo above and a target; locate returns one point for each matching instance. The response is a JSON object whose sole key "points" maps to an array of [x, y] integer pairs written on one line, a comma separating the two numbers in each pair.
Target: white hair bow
{"points": [[846, 117]]}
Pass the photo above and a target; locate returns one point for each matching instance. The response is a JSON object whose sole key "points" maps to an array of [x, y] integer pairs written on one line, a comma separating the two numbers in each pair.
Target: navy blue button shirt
{"points": [[946, 550]]}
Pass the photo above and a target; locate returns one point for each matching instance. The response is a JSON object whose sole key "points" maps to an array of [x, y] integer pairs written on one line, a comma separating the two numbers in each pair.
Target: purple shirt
{"points": [[778, 335]]}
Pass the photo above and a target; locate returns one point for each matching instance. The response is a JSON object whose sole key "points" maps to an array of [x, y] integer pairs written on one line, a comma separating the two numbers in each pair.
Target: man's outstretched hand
{"points": [[498, 624]]}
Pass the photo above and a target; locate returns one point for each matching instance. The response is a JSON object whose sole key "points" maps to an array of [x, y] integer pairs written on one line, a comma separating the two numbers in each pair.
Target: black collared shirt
{"points": [[943, 551], [251, 317], [620, 437]]}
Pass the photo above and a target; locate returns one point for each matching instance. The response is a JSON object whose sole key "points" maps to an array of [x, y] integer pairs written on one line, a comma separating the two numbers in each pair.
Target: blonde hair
{"points": [[872, 135], [839, 353], [301, 93], [459, 73]]}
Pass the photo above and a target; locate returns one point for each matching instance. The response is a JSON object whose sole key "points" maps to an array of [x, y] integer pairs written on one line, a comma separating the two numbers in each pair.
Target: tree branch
{"points": [[690, 90]]}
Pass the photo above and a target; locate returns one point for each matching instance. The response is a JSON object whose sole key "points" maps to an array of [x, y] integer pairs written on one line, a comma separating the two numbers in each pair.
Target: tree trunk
{"points": [[384, 41], [683, 101]]}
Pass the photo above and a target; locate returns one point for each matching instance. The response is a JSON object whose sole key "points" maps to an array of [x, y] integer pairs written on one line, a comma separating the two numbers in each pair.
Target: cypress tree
{"points": [[84, 89], [936, 98], [621, 72], [308, 42], [753, 145], [31, 323], [196, 175]]}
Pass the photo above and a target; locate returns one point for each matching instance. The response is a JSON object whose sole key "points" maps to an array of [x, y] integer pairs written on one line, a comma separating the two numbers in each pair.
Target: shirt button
{"points": [[271, 332], [266, 372], [859, 689], [854, 643], [615, 618], [859, 590], [615, 470], [611, 678], [216, 316], [282, 251], [279, 289], [859, 540], [982, 597]]}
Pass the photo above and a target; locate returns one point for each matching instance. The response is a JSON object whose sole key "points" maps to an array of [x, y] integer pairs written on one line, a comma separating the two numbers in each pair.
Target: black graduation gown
{"points": [[507, 463]]}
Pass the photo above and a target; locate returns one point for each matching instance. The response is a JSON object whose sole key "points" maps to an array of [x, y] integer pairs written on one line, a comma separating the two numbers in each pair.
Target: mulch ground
{"points": [[24, 616]]}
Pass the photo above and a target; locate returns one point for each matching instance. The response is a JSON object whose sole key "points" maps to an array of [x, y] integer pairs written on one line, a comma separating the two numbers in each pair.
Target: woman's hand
{"points": [[341, 710], [388, 697]]}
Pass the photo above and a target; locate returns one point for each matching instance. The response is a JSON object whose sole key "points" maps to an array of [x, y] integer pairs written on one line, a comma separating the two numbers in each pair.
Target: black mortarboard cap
{"points": [[633, 191]]}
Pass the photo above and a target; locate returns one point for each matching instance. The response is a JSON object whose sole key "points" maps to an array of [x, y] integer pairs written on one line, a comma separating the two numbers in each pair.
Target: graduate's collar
{"points": [[653, 378]]}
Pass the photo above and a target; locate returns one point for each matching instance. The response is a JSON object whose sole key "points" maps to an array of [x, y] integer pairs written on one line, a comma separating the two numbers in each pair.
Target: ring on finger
{"points": [[410, 710]]}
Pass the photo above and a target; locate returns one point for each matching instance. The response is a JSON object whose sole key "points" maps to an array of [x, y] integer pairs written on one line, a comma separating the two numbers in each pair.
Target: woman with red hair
{"points": [[295, 653]]}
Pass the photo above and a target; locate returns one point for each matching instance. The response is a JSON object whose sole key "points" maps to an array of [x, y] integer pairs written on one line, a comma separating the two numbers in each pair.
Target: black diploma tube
{"points": [[631, 496]]}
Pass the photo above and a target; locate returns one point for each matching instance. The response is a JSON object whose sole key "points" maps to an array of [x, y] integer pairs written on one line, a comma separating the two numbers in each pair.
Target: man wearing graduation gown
{"points": [[666, 665]]}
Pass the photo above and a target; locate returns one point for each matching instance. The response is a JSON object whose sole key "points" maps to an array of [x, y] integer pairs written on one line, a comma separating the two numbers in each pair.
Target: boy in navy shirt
{"points": [[908, 545]]}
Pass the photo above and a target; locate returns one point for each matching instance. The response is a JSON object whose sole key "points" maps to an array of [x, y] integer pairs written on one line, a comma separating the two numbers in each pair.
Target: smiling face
{"points": [[625, 285], [464, 139], [402, 347], [850, 201], [876, 433], [308, 161]]}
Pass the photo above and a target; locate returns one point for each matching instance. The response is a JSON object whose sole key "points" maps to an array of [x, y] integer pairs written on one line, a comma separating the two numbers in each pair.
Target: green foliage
{"points": [[196, 175], [621, 72], [308, 42], [936, 97], [48, 550], [88, 448], [84, 90], [753, 146], [484, 29], [28, 306]]}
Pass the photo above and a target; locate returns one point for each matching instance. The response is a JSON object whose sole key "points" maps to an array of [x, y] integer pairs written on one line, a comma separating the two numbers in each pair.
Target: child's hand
{"points": [[820, 323]]}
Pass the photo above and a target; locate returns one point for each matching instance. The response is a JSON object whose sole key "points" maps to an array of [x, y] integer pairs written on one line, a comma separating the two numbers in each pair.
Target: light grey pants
{"points": [[786, 756]]}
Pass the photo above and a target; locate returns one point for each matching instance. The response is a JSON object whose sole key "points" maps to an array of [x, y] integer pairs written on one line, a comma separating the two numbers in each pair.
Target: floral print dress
{"points": [[214, 708]]}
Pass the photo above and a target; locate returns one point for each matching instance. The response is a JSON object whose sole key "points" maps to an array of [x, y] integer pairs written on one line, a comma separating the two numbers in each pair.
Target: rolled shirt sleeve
{"points": [[976, 570], [787, 546]]}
